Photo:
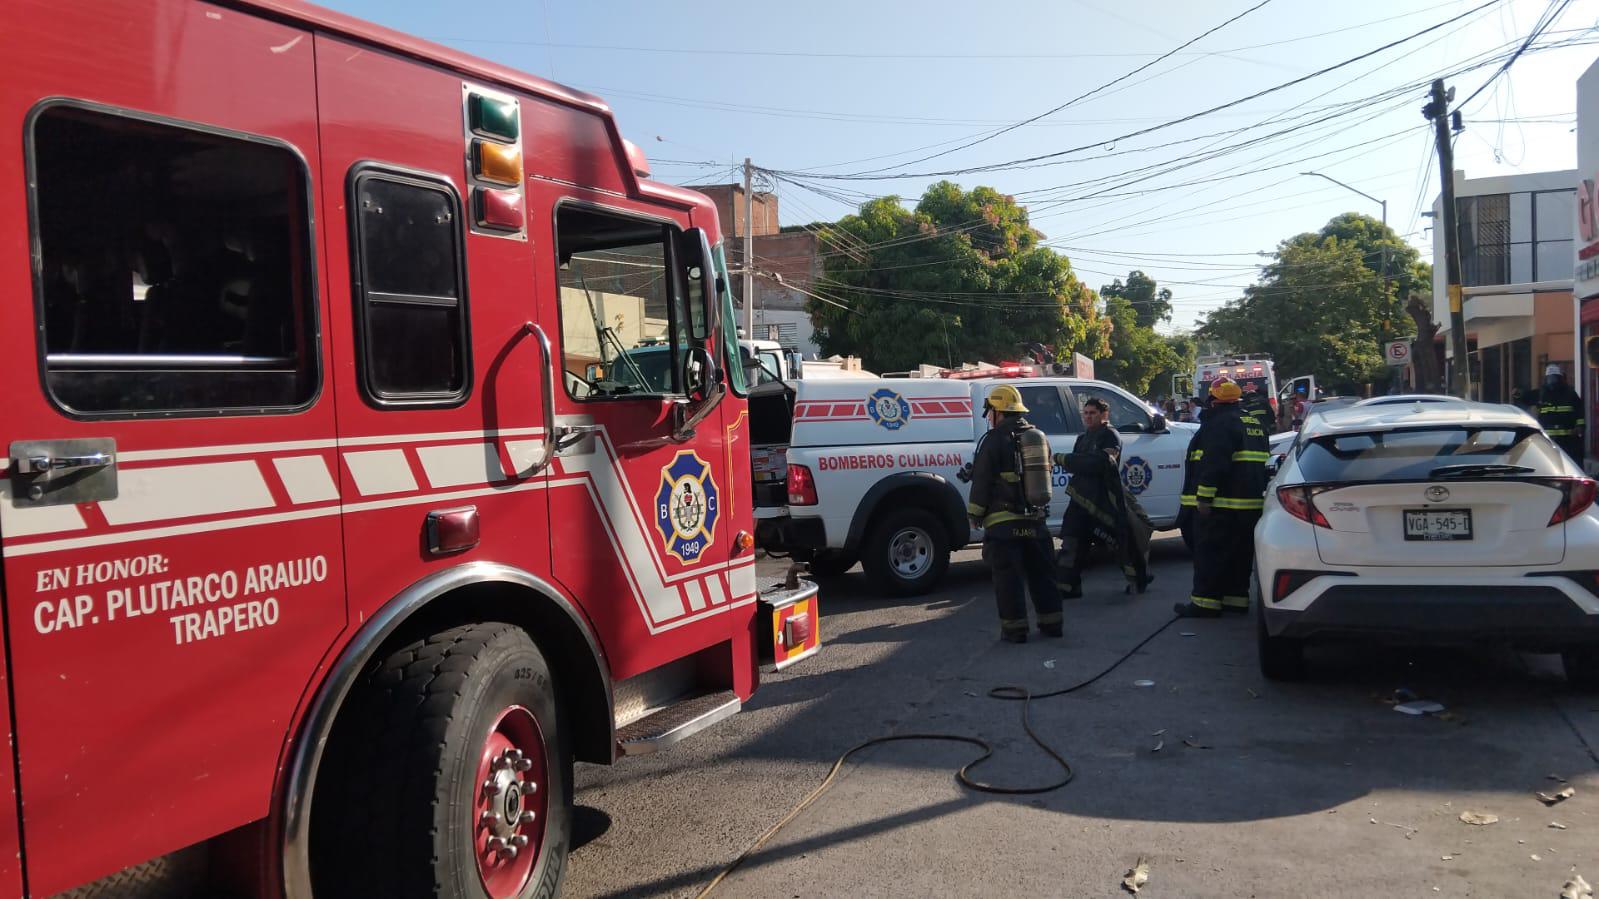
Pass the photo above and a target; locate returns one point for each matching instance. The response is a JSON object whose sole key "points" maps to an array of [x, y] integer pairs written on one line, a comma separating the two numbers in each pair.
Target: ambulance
{"points": [[326, 549]]}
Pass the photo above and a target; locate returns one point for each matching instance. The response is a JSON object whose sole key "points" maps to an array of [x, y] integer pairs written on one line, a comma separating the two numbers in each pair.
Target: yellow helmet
{"points": [[1225, 390], [1006, 398]]}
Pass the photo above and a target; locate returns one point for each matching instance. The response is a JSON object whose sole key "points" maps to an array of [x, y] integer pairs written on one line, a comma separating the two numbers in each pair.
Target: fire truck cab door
{"points": [[170, 506], [640, 490]]}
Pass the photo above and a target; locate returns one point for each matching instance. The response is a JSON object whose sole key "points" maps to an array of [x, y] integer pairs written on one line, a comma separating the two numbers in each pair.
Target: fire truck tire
{"points": [[906, 551], [832, 564], [455, 752]]}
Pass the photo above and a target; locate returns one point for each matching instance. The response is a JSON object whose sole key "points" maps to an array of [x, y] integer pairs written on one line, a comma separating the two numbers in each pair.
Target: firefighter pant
{"points": [[1224, 554], [1076, 540], [1572, 444], [1018, 553]]}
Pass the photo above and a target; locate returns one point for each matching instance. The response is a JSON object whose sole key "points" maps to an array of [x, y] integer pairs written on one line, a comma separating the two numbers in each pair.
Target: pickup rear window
{"points": [[1415, 454]]}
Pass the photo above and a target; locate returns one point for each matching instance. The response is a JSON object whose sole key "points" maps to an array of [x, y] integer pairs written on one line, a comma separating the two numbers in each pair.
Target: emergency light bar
{"points": [[1003, 370]]}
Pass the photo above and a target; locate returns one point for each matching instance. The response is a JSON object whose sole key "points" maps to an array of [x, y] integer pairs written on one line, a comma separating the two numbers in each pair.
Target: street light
{"points": [[1384, 205]]}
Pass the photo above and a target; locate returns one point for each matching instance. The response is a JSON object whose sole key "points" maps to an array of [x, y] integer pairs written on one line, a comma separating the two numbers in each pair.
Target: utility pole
{"points": [[1438, 112], [749, 248]]}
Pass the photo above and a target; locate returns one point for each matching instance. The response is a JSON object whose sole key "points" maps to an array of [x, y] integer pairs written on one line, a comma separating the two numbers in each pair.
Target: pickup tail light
{"points": [[1300, 503], [801, 485], [1578, 496]]}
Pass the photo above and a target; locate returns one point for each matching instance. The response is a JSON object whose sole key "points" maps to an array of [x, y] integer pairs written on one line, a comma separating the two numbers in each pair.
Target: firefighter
{"points": [[1559, 411], [1010, 500], [1229, 486], [1100, 511]]}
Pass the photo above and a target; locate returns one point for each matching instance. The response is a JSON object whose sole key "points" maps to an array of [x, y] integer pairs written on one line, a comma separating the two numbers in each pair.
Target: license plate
{"points": [[1437, 524]]}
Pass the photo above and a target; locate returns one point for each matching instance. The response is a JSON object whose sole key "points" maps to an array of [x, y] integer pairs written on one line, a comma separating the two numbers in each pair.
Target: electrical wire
{"points": [[1008, 693]]}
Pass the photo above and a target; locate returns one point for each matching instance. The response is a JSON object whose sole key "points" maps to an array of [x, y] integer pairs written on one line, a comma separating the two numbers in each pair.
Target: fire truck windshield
{"points": [[1247, 385]]}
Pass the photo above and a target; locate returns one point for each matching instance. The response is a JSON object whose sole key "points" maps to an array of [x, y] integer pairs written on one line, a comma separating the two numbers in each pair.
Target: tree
{"points": [[1140, 360], [959, 278], [1151, 302], [1321, 306]]}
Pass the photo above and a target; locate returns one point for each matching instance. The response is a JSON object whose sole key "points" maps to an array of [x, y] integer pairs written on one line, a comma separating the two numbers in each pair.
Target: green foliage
{"points": [[961, 277], [1320, 307], [1151, 302]]}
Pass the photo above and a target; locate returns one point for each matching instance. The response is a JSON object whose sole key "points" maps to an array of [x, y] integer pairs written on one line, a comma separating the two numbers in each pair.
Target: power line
{"points": [[1085, 95], [873, 176]]}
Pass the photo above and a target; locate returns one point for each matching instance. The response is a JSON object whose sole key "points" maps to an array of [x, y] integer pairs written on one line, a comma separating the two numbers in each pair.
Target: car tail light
{"points": [[1579, 495], [1300, 503], [1273, 401], [1285, 582], [801, 485]]}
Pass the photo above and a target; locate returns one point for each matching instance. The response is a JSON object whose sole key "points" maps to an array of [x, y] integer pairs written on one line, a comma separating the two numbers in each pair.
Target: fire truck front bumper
{"points": [[790, 620]]}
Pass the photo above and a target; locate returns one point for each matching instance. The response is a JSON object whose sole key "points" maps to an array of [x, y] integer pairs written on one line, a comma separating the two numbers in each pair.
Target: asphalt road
{"points": [[1257, 789]]}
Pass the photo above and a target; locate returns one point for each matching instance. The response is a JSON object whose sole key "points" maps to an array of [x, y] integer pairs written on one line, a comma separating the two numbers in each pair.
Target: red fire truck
{"points": [[332, 531]]}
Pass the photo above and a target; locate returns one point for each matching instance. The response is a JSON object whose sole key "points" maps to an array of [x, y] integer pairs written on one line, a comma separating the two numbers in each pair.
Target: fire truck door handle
{"points": [[43, 468], [547, 383]]}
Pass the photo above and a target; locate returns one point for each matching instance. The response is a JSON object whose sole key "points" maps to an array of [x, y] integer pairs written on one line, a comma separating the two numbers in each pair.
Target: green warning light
{"points": [[491, 117]]}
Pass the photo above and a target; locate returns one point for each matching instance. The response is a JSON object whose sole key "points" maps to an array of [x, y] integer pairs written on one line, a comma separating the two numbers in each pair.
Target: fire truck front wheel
{"points": [[450, 777], [906, 551]]}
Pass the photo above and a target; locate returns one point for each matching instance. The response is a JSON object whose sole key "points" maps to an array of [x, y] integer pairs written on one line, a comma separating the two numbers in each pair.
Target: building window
{"points": [[1516, 238], [1554, 213], [623, 321], [175, 271], [1484, 224], [410, 289]]}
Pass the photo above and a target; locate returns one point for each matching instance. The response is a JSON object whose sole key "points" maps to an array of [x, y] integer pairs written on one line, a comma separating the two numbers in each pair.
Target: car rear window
{"points": [[1412, 454]]}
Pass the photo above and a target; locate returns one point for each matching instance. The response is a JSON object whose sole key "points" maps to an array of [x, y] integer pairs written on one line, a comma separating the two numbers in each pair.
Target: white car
{"points": [[1457, 523]]}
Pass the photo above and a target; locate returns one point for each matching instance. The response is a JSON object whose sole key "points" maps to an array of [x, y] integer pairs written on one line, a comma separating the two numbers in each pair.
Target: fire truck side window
{"points": [[176, 269], [410, 294], [623, 323]]}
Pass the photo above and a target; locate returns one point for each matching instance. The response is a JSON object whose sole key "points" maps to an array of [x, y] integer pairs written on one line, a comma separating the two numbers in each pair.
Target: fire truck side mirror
{"points": [[699, 374], [698, 264]]}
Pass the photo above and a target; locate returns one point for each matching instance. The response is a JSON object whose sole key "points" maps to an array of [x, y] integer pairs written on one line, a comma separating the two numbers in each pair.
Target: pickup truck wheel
{"points": [[907, 552], [1582, 668], [452, 776], [832, 564]]}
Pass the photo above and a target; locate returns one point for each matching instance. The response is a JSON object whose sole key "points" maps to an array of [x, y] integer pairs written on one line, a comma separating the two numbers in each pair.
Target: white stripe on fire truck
{"points": [[15, 522], [306, 478], [662, 602], [178, 530], [459, 464], [713, 586], [378, 472], [696, 599], [525, 454], [290, 446], [741, 581], [184, 491]]}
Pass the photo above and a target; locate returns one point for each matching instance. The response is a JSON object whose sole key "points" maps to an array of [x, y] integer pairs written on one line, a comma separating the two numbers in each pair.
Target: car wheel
{"points": [[907, 552], [451, 777], [832, 564], [1582, 668], [1281, 658]]}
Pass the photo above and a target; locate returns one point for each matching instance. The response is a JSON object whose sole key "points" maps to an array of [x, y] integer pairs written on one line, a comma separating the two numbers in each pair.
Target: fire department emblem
{"points": [[686, 509], [888, 409], [1136, 475]]}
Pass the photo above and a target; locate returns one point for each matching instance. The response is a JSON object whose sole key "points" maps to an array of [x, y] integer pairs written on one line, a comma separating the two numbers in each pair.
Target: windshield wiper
{"points": [[1476, 469]]}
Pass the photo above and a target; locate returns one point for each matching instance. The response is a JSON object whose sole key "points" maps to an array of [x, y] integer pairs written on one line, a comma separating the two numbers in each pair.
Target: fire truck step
{"points": [[676, 722]]}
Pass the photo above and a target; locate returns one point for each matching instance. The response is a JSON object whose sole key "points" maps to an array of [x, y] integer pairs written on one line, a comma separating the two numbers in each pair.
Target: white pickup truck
{"points": [[865, 470]]}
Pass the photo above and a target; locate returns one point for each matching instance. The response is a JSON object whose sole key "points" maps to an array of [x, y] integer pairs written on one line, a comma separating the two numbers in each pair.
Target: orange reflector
{"points": [[499, 163], [745, 541]]}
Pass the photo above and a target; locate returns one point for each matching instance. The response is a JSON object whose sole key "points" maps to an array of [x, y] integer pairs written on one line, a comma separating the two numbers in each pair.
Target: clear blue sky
{"points": [[816, 87]]}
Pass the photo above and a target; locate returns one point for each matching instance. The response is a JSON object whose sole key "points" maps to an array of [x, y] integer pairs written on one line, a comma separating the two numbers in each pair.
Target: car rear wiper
{"points": [[1476, 469]]}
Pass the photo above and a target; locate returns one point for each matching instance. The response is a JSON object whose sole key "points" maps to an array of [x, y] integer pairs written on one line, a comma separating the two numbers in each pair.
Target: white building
{"points": [[1515, 238]]}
